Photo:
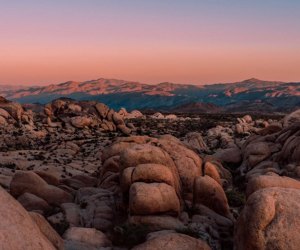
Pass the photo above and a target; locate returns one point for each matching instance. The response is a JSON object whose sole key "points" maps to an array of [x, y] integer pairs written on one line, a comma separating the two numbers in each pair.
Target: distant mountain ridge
{"points": [[249, 94]]}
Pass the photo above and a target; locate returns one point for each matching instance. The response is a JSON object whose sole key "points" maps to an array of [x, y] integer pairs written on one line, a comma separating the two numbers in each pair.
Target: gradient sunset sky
{"points": [[186, 41]]}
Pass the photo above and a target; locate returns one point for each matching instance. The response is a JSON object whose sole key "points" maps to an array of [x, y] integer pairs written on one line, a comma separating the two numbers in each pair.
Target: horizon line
{"points": [[140, 82]]}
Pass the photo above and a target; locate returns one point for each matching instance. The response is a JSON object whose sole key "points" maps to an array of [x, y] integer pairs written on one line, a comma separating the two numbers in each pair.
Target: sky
{"points": [[182, 41]]}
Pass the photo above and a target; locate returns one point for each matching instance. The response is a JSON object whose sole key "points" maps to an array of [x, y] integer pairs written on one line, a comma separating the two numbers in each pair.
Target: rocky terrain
{"points": [[80, 175], [250, 95]]}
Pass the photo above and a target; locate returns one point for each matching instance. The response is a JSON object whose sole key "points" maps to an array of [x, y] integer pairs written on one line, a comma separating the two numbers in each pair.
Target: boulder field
{"points": [[78, 175]]}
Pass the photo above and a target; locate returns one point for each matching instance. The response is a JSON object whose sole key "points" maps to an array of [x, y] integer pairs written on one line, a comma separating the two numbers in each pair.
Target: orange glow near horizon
{"points": [[183, 47], [152, 65]]}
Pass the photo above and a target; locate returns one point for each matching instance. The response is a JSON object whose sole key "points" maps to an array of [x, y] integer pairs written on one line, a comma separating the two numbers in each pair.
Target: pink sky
{"points": [[191, 43]]}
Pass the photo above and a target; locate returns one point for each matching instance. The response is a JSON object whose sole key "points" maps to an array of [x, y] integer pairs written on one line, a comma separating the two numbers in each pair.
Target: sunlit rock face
{"points": [[160, 179]]}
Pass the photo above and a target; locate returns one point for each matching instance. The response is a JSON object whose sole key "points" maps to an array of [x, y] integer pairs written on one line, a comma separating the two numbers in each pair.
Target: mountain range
{"points": [[251, 95]]}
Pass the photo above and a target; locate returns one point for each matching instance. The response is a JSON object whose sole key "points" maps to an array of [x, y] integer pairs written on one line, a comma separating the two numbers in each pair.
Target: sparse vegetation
{"points": [[235, 198], [8, 165], [130, 235]]}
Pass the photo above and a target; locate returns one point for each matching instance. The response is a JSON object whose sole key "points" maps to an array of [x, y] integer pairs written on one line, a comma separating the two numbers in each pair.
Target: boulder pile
{"points": [[160, 180], [72, 183], [272, 153], [38, 191], [134, 114], [67, 114], [156, 183], [14, 113], [246, 125], [159, 115], [84, 114], [270, 169]]}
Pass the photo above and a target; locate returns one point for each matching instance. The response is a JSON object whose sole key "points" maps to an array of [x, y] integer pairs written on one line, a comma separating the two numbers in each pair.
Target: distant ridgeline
{"points": [[251, 95]]}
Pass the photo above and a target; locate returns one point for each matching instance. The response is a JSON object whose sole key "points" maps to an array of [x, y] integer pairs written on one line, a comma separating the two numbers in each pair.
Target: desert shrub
{"points": [[8, 165], [61, 227], [130, 235], [235, 198]]}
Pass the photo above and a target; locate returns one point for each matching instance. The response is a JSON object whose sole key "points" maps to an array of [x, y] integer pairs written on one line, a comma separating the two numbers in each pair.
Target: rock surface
{"points": [[17, 229], [30, 182], [81, 238], [173, 241], [269, 220]]}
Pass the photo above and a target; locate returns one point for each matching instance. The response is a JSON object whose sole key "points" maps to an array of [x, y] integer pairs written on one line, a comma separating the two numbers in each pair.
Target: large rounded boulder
{"points": [[270, 220]]}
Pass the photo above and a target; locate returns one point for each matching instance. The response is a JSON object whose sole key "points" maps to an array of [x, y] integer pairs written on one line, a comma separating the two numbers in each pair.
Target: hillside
{"points": [[251, 94]]}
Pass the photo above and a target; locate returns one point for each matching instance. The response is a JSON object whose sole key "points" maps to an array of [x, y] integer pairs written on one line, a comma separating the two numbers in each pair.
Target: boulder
{"points": [[32, 202], [290, 151], [118, 119], [110, 165], [143, 154], [211, 170], [195, 141], [4, 113], [157, 222], [131, 156], [53, 124], [80, 121], [131, 126], [247, 118], [109, 116], [17, 229], [14, 109], [158, 116], [148, 173], [153, 198], [58, 104], [171, 117], [75, 108], [3, 121], [188, 163], [214, 165], [80, 181], [263, 168], [134, 114], [270, 220], [271, 129], [47, 230], [173, 241], [229, 155], [99, 206], [110, 126], [48, 177], [239, 128], [256, 152], [291, 118], [5, 181], [221, 221], [153, 173], [30, 182], [48, 111], [209, 193], [87, 237], [124, 129], [102, 109], [72, 213], [267, 181], [126, 179]]}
